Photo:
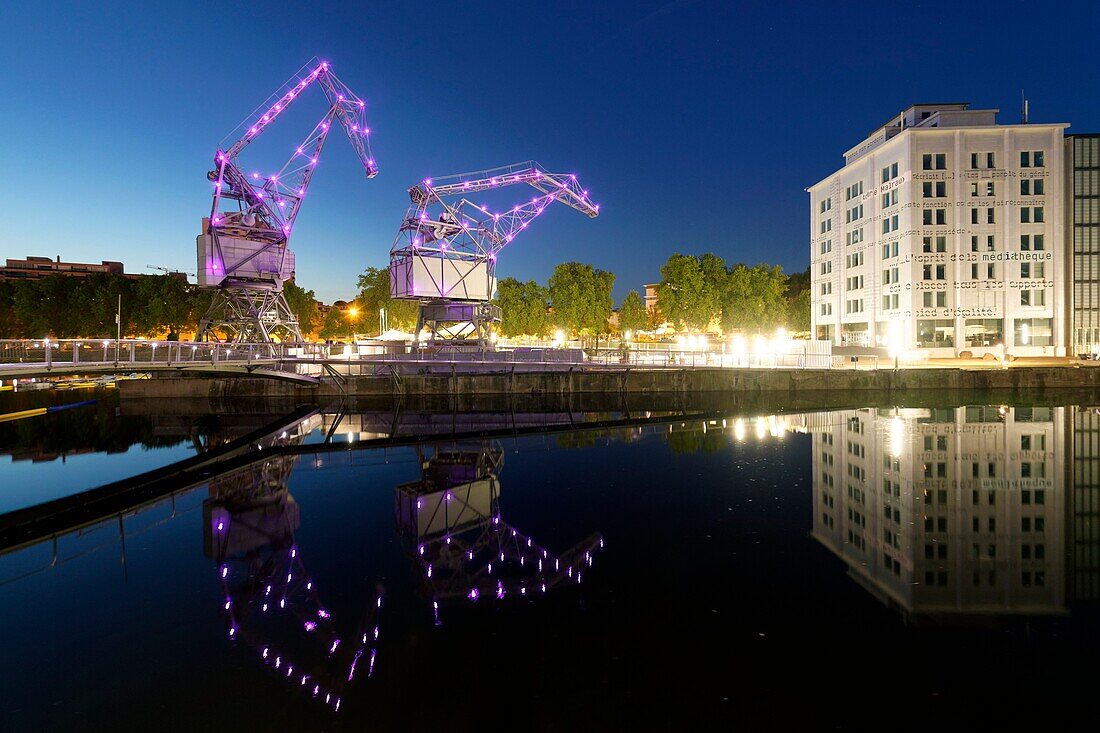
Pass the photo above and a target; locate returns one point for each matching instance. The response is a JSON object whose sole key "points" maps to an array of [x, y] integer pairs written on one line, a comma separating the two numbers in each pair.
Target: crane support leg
{"points": [[458, 324], [249, 316]]}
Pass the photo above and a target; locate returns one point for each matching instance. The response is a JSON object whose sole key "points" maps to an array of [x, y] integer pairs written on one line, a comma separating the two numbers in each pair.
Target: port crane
{"points": [[445, 252], [243, 252]]}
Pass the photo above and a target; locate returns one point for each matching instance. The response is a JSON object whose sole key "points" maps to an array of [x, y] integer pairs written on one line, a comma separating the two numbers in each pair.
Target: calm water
{"points": [[876, 568]]}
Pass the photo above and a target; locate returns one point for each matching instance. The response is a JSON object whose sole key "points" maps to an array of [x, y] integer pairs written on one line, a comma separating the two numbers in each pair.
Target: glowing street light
{"points": [[894, 341]]}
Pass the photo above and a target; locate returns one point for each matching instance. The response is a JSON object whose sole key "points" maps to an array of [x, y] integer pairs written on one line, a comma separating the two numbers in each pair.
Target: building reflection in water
{"points": [[969, 510], [270, 601], [451, 525]]}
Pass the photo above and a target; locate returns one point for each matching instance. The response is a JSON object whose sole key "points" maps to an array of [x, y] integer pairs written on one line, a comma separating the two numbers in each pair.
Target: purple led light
{"points": [[473, 594], [310, 625], [322, 613]]}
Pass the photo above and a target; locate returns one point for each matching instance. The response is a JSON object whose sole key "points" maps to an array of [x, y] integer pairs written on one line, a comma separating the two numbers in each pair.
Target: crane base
{"points": [[457, 324], [246, 315]]}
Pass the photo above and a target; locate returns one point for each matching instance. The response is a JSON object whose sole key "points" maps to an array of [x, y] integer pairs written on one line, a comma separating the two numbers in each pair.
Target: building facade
{"points": [[1082, 227], [943, 235], [36, 268]]}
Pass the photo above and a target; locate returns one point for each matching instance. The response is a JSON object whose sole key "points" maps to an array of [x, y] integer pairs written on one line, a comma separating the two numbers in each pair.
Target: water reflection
{"points": [[271, 602], [965, 510], [464, 551]]}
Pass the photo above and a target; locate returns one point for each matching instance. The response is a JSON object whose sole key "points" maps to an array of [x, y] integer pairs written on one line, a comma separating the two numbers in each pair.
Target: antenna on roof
{"points": [[1023, 108]]}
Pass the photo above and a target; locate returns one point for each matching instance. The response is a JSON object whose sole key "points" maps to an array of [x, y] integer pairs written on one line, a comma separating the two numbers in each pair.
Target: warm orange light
{"points": [[353, 312]]}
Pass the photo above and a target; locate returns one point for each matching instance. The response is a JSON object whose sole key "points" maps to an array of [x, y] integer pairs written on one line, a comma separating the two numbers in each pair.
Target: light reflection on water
{"points": [[346, 578]]}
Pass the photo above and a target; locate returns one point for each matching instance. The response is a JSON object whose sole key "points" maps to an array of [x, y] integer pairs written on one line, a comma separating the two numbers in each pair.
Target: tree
{"points": [[335, 326], [165, 303], [580, 296], [688, 294], [374, 294], [798, 312], [754, 299], [303, 304], [524, 307], [632, 315]]}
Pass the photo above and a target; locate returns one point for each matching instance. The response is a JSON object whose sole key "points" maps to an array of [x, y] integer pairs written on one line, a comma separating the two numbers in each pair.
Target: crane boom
{"points": [[244, 253]]}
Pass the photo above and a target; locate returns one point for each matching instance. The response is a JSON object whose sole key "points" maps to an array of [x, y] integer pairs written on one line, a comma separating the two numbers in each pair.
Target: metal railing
{"points": [[310, 359], [135, 352]]}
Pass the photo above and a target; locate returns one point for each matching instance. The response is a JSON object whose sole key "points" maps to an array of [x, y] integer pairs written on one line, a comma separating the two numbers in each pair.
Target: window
{"points": [[854, 213], [853, 283], [826, 309], [890, 224], [989, 216], [1033, 297], [933, 161], [890, 302], [890, 276], [1031, 241], [991, 271], [827, 246], [826, 226], [935, 298], [1031, 159], [1032, 187], [974, 271], [940, 244], [1032, 270], [889, 198], [1031, 214], [936, 334], [826, 205], [1033, 332], [855, 236], [984, 188], [978, 159], [940, 272], [934, 189], [889, 250], [890, 172], [827, 288], [853, 260], [853, 306], [983, 331], [989, 242], [853, 191], [934, 216], [826, 267]]}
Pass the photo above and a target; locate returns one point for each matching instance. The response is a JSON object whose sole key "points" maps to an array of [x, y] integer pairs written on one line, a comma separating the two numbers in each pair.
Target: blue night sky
{"points": [[696, 125]]}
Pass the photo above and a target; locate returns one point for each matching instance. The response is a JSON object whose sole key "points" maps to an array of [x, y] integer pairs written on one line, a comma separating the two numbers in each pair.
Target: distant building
{"points": [[1083, 240], [36, 268], [943, 233], [651, 297]]}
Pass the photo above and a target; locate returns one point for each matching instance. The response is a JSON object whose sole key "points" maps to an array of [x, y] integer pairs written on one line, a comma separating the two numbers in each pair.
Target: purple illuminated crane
{"points": [[244, 253], [446, 250]]}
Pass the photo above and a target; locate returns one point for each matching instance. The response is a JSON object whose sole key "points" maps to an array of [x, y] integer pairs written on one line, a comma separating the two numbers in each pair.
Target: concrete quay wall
{"points": [[440, 380]]}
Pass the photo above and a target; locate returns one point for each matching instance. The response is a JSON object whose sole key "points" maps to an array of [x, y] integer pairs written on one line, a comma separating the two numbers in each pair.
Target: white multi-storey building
{"points": [[943, 234]]}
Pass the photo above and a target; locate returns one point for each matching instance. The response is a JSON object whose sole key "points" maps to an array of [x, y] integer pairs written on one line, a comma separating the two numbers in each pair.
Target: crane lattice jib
{"points": [[466, 230], [275, 199]]}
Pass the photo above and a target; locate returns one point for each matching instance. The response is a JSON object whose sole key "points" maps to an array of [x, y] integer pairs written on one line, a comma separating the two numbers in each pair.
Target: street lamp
{"points": [[893, 339]]}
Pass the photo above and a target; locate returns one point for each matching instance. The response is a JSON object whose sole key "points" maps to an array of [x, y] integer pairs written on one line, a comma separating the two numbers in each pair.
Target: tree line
{"points": [[694, 292], [63, 306]]}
